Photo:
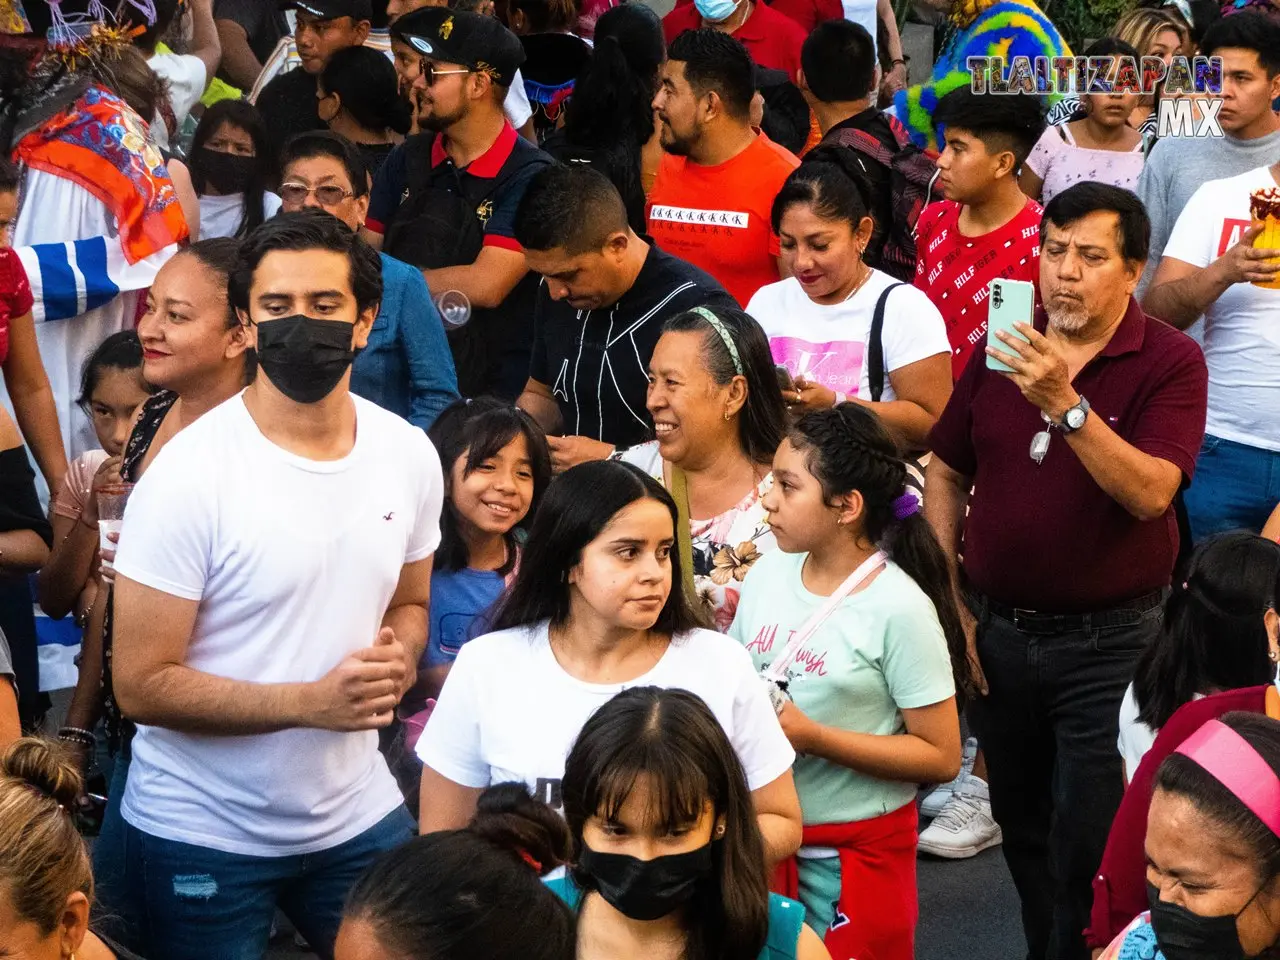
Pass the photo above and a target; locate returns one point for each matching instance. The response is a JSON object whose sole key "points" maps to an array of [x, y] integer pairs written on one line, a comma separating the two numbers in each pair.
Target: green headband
{"points": [[718, 325]]}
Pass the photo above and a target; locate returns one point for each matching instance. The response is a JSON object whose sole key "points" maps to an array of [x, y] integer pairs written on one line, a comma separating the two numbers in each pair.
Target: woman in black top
{"points": [[609, 121], [357, 97], [25, 538]]}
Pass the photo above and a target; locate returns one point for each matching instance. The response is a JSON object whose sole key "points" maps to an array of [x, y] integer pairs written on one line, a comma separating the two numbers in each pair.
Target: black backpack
{"points": [[876, 378], [911, 176]]}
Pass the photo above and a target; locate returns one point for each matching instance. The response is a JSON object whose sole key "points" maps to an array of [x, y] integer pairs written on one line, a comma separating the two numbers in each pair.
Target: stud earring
{"points": [[1274, 656]]}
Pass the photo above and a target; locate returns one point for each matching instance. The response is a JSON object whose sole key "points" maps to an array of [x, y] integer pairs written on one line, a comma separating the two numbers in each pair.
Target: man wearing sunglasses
{"points": [[445, 200], [408, 62], [288, 102]]}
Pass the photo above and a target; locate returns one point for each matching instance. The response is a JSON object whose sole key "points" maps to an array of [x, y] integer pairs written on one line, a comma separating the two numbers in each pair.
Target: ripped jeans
{"points": [[192, 903]]}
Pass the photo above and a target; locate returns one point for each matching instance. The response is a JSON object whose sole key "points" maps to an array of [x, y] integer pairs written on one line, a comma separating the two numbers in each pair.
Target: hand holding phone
{"points": [[785, 382], [1008, 302]]}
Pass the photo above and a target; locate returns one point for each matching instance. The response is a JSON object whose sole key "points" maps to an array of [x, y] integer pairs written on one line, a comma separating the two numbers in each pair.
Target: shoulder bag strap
{"points": [[777, 671], [875, 346], [684, 536]]}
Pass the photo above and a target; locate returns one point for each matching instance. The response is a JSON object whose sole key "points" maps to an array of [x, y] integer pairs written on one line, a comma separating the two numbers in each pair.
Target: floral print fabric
{"points": [[1137, 942], [724, 547]]}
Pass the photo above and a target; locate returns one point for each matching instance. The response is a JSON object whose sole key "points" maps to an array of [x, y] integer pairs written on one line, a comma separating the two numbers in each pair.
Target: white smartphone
{"points": [[1008, 302]]}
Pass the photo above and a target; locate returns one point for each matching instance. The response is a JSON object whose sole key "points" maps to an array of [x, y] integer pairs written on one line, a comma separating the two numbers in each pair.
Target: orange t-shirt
{"points": [[717, 218]]}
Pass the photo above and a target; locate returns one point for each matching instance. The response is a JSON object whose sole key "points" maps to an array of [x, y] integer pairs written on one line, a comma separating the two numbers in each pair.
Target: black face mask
{"points": [[225, 172], [303, 357], [647, 889], [1183, 935]]}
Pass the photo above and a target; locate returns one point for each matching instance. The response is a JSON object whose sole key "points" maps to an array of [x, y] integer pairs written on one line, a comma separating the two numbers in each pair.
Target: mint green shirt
{"points": [[880, 652]]}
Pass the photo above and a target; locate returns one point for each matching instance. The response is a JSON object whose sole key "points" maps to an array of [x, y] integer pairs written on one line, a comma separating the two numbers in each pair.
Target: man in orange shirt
{"points": [[711, 201]]}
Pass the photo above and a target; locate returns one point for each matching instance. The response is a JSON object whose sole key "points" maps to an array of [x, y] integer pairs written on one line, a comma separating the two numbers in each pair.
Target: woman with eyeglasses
{"points": [[406, 367]]}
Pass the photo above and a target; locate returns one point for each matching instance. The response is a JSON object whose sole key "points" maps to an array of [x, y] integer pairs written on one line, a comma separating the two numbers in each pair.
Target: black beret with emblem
{"points": [[469, 39]]}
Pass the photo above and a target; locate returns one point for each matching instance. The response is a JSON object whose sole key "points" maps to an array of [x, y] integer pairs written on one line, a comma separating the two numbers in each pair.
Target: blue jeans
{"points": [[112, 913], [1235, 487], [193, 903]]}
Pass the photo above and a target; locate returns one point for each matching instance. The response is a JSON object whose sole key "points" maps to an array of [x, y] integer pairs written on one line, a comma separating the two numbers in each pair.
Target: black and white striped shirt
{"points": [[596, 362]]}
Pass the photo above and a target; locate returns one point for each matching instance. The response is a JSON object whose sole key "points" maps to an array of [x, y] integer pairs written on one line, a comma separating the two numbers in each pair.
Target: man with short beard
{"points": [[445, 200], [1061, 476], [406, 61], [711, 201]]}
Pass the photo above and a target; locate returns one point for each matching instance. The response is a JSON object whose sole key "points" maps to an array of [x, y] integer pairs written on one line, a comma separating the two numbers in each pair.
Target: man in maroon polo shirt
{"points": [[1068, 542]]}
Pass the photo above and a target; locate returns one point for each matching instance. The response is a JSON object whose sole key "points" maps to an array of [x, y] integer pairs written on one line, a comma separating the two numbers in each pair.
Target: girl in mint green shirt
{"points": [[871, 707]]}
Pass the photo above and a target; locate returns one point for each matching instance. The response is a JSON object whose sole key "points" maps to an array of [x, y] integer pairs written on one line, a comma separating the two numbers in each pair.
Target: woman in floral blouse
{"points": [[718, 416]]}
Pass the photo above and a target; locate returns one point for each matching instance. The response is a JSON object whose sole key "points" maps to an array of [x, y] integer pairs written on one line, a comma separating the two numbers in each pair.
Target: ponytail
{"points": [[42, 858], [833, 181], [849, 449]]}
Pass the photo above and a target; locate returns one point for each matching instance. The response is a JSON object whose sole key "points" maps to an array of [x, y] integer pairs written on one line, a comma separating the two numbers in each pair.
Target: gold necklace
{"points": [[861, 282]]}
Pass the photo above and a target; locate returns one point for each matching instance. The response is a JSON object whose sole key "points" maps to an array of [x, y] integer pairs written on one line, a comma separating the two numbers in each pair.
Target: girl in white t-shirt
{"points": [[1220, 632], [871, 708], [820, 319], [598, 605], [230, 168]]}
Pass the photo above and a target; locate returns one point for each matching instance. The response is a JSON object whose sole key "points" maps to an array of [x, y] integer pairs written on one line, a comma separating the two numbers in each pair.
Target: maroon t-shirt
{"points": [[1046, 537], [1120, 887]]}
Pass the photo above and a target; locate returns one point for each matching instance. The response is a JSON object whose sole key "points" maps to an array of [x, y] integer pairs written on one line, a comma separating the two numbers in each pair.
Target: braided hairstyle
{"points": [[847, 448]]}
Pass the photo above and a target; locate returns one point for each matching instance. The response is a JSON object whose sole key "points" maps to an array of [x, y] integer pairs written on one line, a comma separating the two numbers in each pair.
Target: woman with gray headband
{"points": [[718, 417]]}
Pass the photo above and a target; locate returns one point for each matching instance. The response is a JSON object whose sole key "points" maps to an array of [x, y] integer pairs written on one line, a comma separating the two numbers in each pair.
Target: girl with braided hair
{"points": [[870, 692]]}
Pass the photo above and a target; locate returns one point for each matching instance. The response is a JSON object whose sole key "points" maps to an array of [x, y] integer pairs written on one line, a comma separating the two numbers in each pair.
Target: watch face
{"points": [[1075, 418]]}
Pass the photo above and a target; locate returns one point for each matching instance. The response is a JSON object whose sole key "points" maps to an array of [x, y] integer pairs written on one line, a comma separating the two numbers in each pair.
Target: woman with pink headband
{"points": [[1213, 848]]}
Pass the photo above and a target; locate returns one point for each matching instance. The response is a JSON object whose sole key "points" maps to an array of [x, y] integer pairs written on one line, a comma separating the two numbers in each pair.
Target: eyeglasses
{"points": [[430, 72], [328, 194]]}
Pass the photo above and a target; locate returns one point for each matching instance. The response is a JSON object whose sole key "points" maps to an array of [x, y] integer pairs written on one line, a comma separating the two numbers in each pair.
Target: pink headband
{"points": [[1227, 757]]}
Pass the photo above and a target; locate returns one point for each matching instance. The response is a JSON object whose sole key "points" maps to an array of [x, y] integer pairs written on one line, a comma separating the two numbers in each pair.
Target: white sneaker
{"points": [[936, 800], [965, 827]]}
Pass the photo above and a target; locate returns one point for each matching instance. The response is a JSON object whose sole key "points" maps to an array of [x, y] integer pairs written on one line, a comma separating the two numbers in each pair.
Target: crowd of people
{"points": [[542, 479]]}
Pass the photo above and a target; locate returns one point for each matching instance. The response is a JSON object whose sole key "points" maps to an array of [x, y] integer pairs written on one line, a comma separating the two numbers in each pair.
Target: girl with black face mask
{"points": [[668, 862], [231, 166], [1213, 848]]}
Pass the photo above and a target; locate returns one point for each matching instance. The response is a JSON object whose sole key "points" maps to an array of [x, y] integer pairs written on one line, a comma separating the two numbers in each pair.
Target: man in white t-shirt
{"points": [[186, 73], [1210, 266], [270, 609]]}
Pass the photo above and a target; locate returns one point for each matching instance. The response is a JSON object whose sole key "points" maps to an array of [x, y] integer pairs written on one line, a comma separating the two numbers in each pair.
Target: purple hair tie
{"points": [[905, 506]]}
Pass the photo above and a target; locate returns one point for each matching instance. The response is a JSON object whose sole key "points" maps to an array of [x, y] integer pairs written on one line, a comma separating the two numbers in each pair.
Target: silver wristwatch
{"points": [[1075, 417]]}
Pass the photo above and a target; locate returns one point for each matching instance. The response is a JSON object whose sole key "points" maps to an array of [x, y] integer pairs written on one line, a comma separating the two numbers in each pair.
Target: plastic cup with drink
{"points": [[455, 309], [112, 498]]}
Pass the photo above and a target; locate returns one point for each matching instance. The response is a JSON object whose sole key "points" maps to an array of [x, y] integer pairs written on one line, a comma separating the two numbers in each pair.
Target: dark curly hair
{"points": [[848, 448]]}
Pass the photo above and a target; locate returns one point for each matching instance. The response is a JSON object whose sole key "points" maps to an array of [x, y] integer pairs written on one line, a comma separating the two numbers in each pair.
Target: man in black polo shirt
{"points": [[445, 200], [1073, 461], [288, 103], [599, 313], [837, 78]]}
